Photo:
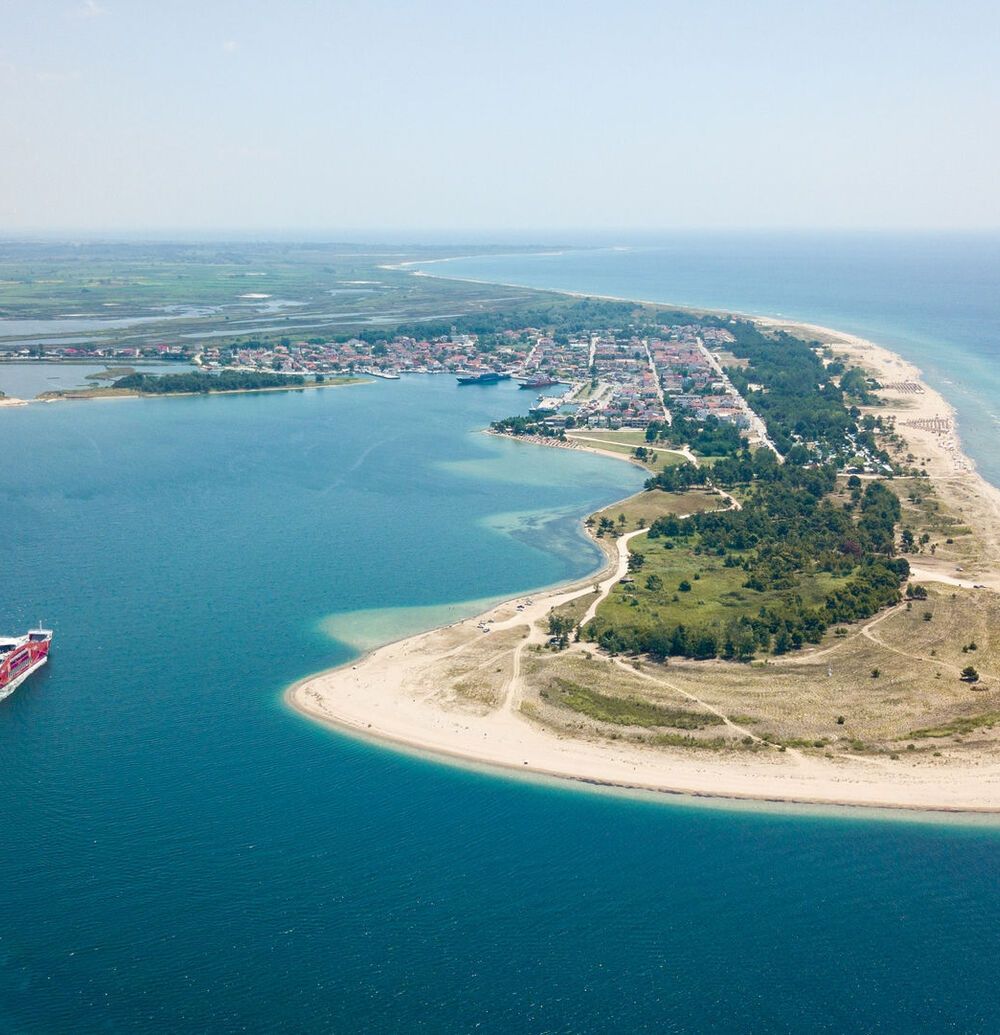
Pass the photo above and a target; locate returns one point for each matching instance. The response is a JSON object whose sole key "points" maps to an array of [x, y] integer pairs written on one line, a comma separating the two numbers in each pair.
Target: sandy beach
{"points": [[404, 694], [928, 423]]}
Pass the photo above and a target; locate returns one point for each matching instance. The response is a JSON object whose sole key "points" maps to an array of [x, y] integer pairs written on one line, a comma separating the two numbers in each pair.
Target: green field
{"points": [[716, 592], [647, 506]]}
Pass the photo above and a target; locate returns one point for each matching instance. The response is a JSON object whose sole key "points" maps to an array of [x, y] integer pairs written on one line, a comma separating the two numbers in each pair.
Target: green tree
{"points": [[560, 627]]}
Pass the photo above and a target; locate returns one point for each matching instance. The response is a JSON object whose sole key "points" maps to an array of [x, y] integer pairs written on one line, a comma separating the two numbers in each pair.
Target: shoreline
{"points": [[127, 393], [369, 697], [658, 793], [815, 329], [422, 729], [863, 352], [573, 445], [447, 737]]}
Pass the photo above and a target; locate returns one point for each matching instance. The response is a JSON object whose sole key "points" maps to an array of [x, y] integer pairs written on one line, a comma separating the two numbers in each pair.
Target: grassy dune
{"points": [[646, 507]]}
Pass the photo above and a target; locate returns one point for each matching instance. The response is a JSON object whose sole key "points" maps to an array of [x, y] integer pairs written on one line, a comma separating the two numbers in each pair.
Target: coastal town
{"points": [[599, 379]]}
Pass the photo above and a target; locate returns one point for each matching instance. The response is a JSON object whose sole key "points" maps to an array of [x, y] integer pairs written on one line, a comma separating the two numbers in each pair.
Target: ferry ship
{"points": [[488, 377], [20, 656], [541, 381]]}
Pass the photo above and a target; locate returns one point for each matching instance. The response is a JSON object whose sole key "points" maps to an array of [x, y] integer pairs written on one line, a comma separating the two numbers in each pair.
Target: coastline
{"points": [[815, 330], [91, 394], [381, 697], [369, 698], [949, 463], [572, 444]]}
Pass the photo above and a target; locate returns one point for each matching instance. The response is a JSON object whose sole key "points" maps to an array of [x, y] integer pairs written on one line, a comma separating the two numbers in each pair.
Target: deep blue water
{"points": [[934, 298], [180, 852]]}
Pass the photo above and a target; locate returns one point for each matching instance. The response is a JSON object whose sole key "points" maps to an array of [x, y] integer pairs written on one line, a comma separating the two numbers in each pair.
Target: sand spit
{"points": [[406, 694]]}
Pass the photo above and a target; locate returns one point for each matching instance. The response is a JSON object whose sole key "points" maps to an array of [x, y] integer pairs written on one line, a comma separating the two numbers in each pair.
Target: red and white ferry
{"points": [[20, 656]]}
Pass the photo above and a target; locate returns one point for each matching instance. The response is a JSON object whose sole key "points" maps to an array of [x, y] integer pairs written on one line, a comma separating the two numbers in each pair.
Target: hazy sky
{"points": [[288, 114]]}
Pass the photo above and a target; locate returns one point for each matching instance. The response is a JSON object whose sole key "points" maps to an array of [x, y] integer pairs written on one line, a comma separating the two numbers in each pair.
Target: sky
{"points": [[286, 115]]}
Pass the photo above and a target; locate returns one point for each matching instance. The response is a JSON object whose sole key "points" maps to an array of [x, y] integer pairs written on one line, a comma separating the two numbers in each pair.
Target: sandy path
{"points": [[606, 585], [692, 698], [869, 633]]}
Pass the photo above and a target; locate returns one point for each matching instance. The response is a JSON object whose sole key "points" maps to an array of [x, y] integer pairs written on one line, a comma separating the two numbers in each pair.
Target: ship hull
{"points": [[482, 379], [9, 688]]}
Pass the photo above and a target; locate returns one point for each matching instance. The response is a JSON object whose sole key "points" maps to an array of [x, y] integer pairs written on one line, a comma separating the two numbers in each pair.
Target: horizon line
{"points": [[453, 236]]}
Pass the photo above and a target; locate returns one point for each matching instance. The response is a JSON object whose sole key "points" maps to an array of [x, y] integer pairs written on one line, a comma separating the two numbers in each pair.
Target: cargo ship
{"points": [[487, 377], [20, 656], [540, 381]]}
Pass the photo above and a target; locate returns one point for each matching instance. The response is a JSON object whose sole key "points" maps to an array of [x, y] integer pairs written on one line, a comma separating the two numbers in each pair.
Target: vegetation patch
{"points": [[956, 727], [629, 711], [685, 741], [198, 381], [641, 510], [769, 577]]}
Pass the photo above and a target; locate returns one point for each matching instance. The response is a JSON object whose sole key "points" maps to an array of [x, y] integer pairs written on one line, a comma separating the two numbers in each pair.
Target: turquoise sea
{"points": [[180, 852]]}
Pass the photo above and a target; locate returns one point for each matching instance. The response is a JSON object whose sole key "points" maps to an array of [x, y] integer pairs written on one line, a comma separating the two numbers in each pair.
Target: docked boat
{"points": [[20, 656], [539, 381], [487, 377]]}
